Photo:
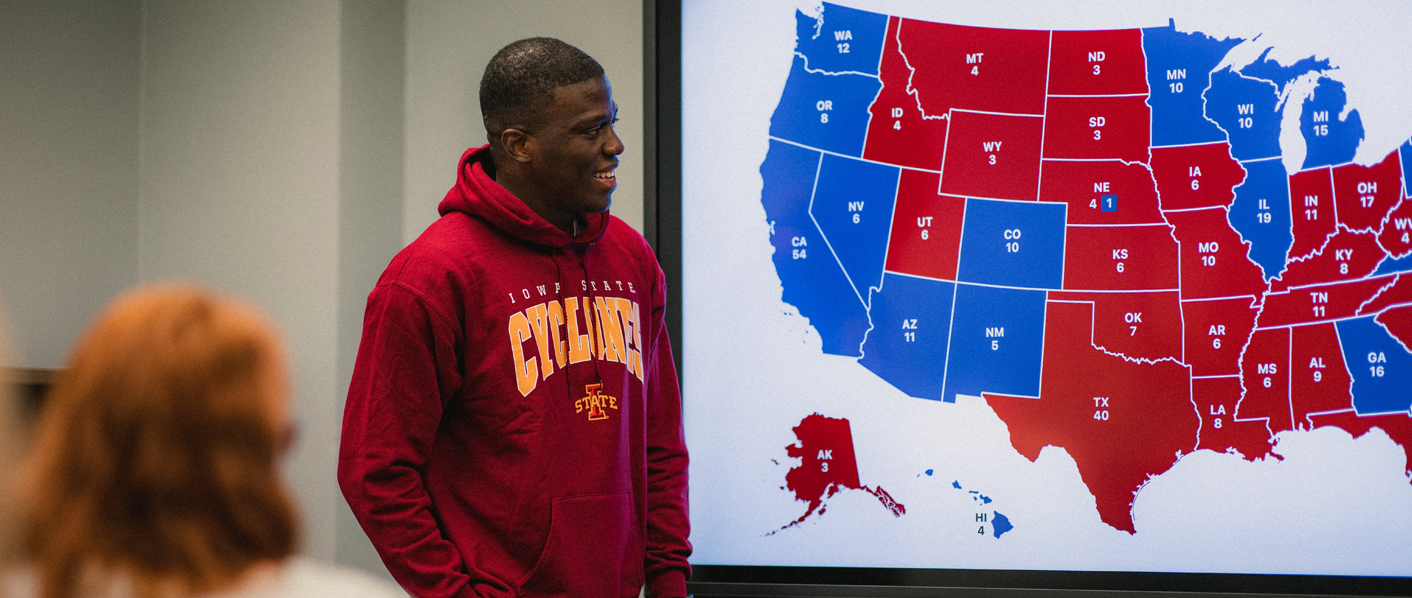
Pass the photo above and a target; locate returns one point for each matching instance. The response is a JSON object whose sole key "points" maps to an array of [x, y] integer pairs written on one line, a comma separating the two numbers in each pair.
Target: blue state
{"points": [[1261, 215], [853, 205], [829, 112], [1330, 140], [997, 342], [1013, 243], [1390, 266], [1269, 70], [1000, 523], [1381, 367], [813, 280], [842, 39], [911, 326], [1245, 108], [1178, 72]]}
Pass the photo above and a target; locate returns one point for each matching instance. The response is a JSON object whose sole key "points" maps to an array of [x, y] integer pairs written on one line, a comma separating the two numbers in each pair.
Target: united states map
{"points": [[1098, 232]]}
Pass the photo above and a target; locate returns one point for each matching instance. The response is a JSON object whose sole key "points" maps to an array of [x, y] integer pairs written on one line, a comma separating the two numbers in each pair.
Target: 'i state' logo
{"points": [[595, 403]]}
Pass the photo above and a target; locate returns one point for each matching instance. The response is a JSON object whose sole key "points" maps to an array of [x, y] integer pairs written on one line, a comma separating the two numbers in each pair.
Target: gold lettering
{"points": [[627, 317], [580, 345], [520, 332], [541, 336], [613, 346], [556, 323], [590, 324], [637, 339]]}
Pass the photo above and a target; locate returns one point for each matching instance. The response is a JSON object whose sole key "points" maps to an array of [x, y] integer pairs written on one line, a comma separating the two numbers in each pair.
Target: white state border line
{"points": [[1097, 95], [833, 153]]}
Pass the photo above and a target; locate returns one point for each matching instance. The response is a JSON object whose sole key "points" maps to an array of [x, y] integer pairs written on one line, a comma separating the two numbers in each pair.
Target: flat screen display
{"points": [[1048, 286]]}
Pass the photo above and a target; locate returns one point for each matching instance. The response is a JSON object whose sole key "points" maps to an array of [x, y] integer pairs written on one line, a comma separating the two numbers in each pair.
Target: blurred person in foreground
{"points": [[154, 469]]}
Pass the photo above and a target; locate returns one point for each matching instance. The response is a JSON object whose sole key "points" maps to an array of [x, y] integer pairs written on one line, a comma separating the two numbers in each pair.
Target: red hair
{"points": [[155, 456]]}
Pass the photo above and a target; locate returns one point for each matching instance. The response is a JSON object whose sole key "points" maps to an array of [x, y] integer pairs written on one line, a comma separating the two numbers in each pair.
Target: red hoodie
{"points": [[513, 426]]}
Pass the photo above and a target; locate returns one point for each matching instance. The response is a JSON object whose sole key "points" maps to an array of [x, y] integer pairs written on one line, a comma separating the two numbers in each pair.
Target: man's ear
{"points": [[519, 145]]}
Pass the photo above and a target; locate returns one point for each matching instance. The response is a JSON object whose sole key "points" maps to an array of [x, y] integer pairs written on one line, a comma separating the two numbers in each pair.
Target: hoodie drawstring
{"points": [[593, 305], [559, 292], [591, 320]]}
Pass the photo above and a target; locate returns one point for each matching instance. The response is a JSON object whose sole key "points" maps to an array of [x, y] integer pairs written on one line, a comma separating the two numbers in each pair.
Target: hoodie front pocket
{"points": [[592, 550]]}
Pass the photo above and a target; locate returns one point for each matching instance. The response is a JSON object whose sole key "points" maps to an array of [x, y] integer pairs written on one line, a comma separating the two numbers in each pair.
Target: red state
{"points": [[825, 445], [976, 68], [1347, 256], [1215, 332], [1216, 400], [1396, 240], [1398, 292], [1398, 322], [1311, 207], [1321, 303], [1213, 258], [1364, 194], [1264, 374], [1139, 325], [1196, 176], [1398, 427], [1098, 128], [1319, 377], [1122, 422], [992, 156], [1097, 62], [1082, 185], [897, 132], [926, 228], [1120, 258]]}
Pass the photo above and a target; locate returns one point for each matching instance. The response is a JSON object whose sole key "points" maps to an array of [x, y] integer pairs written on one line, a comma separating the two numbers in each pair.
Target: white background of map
{"points": [[754, 367]]}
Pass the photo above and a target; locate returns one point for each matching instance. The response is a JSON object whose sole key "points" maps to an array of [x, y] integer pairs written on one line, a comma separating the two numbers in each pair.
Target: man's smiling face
{"points": [[577, 152]]}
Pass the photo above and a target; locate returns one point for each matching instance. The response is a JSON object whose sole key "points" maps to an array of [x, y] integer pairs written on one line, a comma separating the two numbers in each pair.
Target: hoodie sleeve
{"points": [[668, 527], [405, 374]]}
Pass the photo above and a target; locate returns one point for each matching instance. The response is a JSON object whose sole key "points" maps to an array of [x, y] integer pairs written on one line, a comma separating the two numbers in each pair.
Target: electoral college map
{"points": [[1128, 246]]}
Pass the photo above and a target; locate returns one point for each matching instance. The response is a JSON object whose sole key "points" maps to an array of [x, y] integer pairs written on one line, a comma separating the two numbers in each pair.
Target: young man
{"points": [[513, 427]]}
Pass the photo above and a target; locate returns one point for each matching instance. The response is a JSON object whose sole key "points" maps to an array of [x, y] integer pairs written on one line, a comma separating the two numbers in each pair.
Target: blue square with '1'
{"points": [[1110, 203]]}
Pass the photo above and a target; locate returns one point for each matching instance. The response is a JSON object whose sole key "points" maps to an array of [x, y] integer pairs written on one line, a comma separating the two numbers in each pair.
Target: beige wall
{"points": [[239, 188], [68, 166], [280, 150]]}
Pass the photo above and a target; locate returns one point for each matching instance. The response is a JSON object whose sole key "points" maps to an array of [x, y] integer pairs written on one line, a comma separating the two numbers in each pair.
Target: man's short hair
{"points": [[519, 82]]}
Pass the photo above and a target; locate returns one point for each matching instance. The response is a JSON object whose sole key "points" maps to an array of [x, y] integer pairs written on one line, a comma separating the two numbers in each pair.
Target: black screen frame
{"points": [[662, 225]]}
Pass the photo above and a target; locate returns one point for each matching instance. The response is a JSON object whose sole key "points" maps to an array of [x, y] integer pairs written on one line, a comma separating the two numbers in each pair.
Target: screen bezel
{"points": [[662, 226]]}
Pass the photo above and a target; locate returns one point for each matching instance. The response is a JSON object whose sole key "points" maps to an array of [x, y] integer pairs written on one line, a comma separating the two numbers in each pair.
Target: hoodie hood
{"points": [[477, 194]]}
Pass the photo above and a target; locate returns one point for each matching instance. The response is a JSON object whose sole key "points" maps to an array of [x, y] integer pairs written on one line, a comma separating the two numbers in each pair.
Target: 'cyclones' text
{"points": [[609, 327]]}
